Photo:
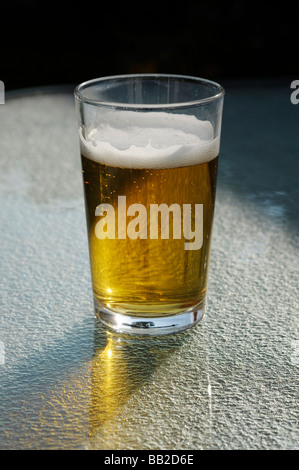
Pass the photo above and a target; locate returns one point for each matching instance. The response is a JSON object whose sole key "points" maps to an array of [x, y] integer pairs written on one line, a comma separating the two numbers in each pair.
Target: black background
{"points": [[46, 43]]}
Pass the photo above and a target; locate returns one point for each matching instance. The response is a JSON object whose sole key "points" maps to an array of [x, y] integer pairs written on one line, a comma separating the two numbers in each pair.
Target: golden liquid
{"points": [[149, 277]]}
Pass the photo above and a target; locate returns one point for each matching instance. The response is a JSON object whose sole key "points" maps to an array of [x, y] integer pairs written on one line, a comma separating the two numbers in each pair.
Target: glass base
{"points": [[150, 325]]}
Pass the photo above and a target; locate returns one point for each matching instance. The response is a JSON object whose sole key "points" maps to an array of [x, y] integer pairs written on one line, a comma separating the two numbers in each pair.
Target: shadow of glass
{"points": [[44, 394], [141, 383], [122, 365]]}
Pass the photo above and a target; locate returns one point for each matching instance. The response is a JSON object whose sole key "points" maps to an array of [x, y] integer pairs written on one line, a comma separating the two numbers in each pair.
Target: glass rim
{"points": [[78, 92]]}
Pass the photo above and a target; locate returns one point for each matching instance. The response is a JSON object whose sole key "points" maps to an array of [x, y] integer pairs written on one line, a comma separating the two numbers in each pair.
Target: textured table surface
{"points": [[229, 383]]}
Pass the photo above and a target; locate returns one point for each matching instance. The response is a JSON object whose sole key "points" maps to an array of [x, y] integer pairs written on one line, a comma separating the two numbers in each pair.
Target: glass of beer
{"points": [[149, 148]]}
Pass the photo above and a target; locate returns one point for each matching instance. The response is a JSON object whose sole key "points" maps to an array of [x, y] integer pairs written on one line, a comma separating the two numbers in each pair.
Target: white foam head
{"points": [[131, 139]]}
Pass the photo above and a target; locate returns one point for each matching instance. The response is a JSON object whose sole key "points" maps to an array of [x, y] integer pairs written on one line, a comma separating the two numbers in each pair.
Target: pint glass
{"points": [[149, 148]]}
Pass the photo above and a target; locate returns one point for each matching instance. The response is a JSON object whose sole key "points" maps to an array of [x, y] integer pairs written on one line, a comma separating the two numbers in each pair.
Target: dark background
{"points": [[66, 42]]}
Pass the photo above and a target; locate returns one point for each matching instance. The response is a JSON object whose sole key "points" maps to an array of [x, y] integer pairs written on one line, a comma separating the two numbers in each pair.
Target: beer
{"points": [[145, 276], [149, 152]]}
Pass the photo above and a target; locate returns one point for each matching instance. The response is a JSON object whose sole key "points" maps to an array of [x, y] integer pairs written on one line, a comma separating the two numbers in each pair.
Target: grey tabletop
{"points": [[229, 383]]}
